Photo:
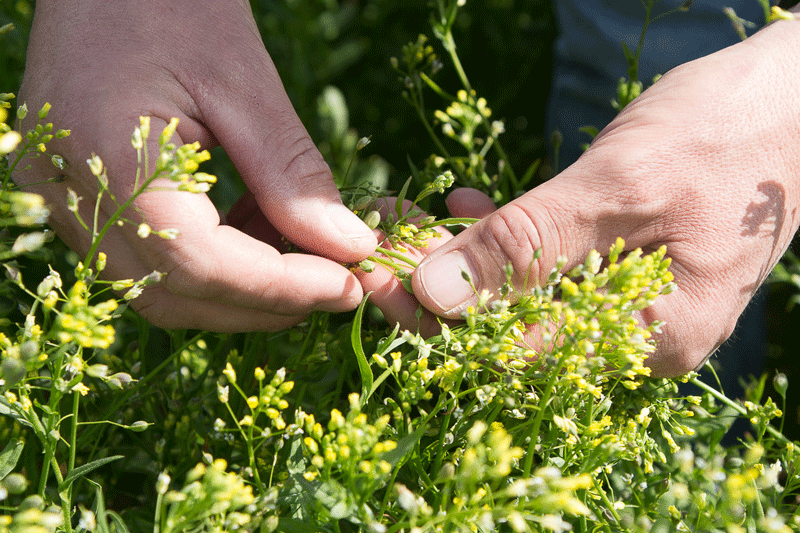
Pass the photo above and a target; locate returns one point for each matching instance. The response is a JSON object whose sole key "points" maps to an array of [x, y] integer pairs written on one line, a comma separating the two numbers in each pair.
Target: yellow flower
{"points": [[81, 388], [230, 373]]}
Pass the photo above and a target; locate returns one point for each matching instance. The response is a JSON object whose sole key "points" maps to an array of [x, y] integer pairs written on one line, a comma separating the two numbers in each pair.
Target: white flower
{"points": [[87, 520], [162, 484]]}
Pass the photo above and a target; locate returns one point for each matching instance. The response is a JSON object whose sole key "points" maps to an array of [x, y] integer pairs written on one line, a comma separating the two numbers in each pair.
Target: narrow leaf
{"points": [[528, 176], [404, 445], [361, 357], [85, 469], [398, 205], [454, 221], [388, 340]]}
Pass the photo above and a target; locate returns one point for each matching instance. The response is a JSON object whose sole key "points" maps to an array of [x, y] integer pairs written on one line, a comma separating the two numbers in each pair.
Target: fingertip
{"points": [[445, 283], [357, 239]]}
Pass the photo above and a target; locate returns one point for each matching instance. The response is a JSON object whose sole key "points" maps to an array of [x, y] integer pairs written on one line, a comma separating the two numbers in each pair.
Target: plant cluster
{"points": [[536, 412]]}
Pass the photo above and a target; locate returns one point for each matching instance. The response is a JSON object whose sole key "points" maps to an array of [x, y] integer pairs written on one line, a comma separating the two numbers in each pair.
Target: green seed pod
{"points": [[363, 202], [372, 219], [34, 501], [12, 371], [138, 426], [28, 350], [780, 383], [407, 285], [15, 483], [367, 266]]}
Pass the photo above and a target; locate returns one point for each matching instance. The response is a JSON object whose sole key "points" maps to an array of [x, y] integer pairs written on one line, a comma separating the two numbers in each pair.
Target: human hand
{"points": [[704, 162], [102, 65]]}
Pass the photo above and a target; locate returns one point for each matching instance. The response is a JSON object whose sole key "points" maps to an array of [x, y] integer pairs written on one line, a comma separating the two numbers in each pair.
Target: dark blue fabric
{"points": [[589, 59]]}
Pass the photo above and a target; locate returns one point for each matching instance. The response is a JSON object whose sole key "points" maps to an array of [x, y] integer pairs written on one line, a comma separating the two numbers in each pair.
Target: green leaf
{"points": [[384, 347], [592, 131], [119, 525], [398, 205], [9, 457], [404, 445], [85, 469], [358, 348], [7, 410], [454, 221], [414, 171], [339, 501], [528, 176]]}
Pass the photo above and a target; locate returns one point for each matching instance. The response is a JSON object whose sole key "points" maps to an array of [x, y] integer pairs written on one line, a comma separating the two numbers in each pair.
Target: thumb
{"points": [[559, 218]]}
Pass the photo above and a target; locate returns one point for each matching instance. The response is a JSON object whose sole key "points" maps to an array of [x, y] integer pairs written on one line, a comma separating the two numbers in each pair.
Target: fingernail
{"points": [[349, 225], [442, 280]]}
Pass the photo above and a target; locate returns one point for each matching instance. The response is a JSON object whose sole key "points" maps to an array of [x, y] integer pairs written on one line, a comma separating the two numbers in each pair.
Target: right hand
{"points": [[102, 65]]}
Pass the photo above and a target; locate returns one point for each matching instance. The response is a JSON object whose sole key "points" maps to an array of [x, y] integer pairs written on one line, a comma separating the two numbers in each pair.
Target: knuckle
{"points": [[299, 155], [512, 236]]}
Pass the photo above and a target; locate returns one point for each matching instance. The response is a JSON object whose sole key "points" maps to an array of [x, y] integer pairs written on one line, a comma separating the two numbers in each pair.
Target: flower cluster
{"points": [[350, 447], [32, 517], [80, 322], [212, 499]]}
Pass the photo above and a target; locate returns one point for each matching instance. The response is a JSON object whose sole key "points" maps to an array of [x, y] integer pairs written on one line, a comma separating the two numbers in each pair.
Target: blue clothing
{"points": [[589, 59]]}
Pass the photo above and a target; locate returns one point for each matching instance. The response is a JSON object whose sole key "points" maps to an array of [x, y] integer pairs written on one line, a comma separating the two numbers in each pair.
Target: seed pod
{"points": [[12, 371], [28, 350], [372, 219], [367, 266], [15, 483]]}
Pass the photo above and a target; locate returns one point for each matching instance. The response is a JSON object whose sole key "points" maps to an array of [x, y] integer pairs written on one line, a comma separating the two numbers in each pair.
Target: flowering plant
{"points": [[535, 413]]}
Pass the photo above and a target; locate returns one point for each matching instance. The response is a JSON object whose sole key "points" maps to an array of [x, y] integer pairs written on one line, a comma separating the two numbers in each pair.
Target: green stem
{"points": [[609, 506], [97, 237], [396, 255], [736, 407], [537, 422], [22, 153], [157, 516], [73, 437], [450, 45], [132, 391]]}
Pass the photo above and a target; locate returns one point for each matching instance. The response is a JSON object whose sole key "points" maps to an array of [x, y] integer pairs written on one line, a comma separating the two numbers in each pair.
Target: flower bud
{"points": [[168, 132], [72, 200], [44, 110], [163, 483], [362, 143], [780, 383], [102, 259]]}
